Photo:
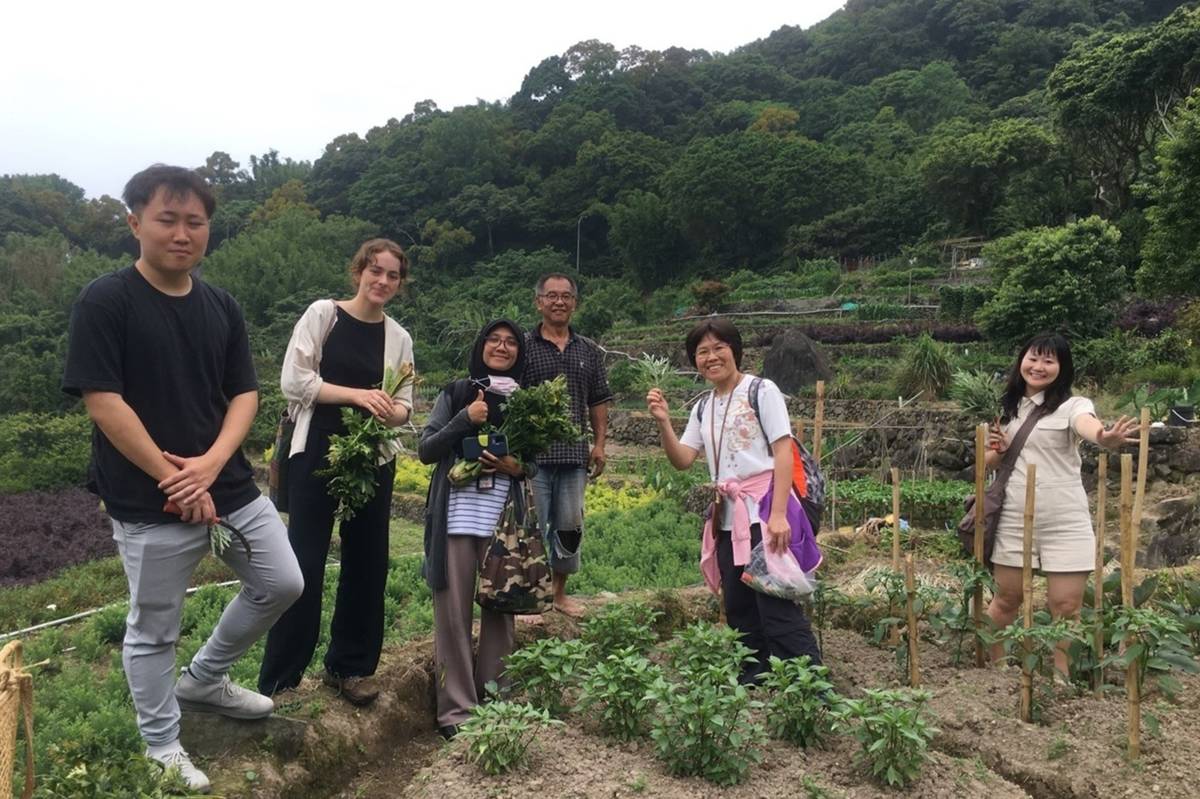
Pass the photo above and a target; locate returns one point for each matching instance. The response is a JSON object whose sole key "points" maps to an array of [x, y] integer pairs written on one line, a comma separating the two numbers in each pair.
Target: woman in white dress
{"points": [[1064, 544]]}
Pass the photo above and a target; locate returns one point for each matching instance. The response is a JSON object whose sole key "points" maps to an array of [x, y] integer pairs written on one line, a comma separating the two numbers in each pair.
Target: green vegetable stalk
{"points": [[535, 418], [354, 456]]}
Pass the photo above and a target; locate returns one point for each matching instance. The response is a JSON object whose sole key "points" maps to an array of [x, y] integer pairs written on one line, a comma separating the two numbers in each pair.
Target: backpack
{"points": [[807, 480]]}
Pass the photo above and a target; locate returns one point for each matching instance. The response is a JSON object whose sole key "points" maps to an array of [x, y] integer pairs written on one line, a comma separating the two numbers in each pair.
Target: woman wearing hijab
{"points": [[461, 520]]}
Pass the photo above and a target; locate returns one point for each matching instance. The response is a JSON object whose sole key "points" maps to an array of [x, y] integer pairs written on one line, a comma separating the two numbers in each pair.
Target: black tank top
{"points": [[352, 357]]}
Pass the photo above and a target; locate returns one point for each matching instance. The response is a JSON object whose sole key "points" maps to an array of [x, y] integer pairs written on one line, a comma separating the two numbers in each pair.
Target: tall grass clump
{"points": [[925, 369]]}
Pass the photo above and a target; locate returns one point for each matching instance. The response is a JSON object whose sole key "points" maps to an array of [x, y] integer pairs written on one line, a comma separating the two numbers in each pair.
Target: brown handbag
{"points": [[993, 498]]}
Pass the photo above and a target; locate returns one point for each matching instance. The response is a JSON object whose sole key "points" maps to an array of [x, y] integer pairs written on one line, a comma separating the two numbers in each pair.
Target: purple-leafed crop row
{"points": [[42, 532]]}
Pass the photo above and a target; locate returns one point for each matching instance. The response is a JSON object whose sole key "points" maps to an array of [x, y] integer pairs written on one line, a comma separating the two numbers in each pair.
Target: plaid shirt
{"points": [[587, 382]]}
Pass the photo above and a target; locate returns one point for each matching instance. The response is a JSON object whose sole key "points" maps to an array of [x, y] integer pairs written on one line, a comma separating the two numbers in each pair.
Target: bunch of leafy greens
{"points": [[534, 418], [354, 456]]}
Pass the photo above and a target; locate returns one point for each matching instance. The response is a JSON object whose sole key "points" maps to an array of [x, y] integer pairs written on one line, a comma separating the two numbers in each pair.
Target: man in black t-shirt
{"points": [[162, 362]]}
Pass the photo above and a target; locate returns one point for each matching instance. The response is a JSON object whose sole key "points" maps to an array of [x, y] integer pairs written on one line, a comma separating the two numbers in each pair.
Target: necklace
{"points": [[717, 442]]}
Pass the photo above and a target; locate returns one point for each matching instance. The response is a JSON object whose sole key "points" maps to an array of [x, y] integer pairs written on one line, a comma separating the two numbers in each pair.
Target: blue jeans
{"points": [[558, 495]]}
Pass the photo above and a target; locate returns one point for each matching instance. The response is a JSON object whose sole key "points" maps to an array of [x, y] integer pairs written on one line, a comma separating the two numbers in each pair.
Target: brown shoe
{"points": [[360, 691]]}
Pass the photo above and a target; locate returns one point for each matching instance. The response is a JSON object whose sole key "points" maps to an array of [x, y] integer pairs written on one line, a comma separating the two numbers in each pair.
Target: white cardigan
{"points": [[301, 380]]}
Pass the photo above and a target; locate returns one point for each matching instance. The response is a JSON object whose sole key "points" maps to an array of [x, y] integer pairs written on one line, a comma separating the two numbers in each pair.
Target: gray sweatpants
{"points": [[159, 560]]}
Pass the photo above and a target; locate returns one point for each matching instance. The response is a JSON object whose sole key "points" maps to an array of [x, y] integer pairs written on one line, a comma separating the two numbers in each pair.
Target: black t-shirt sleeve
{"points": [[239, 366], [95, 347]]}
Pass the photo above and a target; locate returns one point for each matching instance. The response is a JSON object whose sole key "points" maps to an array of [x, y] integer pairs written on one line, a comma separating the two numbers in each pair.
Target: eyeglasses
{"points": [[507, 341], [714, 350], [555, 296]]}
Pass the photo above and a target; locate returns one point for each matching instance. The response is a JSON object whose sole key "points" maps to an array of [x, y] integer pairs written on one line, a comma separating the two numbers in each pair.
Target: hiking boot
{"points": [[360, 691], [178, 759], [222, 697]]}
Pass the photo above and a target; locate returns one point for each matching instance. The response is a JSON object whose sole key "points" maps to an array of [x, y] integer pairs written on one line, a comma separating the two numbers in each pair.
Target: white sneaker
{"points": [[178, 759], [222, 697]]}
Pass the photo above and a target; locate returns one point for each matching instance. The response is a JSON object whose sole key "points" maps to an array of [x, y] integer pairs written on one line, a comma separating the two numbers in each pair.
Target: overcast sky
{"points": [[94, 91]]}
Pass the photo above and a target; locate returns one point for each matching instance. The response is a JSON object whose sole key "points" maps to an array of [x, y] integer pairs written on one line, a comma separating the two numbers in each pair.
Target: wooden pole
{"points": [[981, 436], [1128, 558], [1027, 591], [1143, 468], [819, 421], [910, 587], [895, 519], [1098, 579]]}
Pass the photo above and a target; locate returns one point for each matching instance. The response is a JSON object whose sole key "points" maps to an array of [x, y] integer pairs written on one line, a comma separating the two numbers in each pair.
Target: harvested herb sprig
{"points": [[354, 456], [534, 418]]}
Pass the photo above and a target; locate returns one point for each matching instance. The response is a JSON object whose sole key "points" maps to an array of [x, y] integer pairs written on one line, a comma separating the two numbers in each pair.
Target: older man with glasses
{"points": [[555, 349]]}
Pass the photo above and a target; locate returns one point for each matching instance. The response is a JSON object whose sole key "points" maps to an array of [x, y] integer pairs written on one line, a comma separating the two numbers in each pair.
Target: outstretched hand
{"points": [[1124, 431]]}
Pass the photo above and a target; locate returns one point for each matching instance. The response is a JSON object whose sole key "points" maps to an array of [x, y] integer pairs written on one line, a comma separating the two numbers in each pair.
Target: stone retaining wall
{"points": [[869, 436]]}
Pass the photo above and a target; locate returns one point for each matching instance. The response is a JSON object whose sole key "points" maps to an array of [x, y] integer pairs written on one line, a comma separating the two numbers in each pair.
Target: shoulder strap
{"points": [[701, 405], [755, 385], [1009, 461]]}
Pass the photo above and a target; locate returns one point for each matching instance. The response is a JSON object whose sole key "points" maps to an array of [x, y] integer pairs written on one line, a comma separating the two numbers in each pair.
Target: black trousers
{"points": [[356, 633], [769, 625]]}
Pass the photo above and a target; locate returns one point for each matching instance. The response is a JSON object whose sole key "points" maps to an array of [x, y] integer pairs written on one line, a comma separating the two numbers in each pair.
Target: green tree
{"points": [[1112, 92], [737, 194], [1064, 278], [968, 170], [1171, 250], [647, 239], [290, 255]]}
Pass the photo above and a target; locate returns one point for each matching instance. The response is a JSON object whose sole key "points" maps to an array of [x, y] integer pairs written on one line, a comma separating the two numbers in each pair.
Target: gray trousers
{"points": [[460, 677], [159, 560]]}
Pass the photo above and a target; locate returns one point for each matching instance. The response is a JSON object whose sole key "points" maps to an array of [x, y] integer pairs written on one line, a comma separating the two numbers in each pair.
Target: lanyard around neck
{"points": [[712, 433]]}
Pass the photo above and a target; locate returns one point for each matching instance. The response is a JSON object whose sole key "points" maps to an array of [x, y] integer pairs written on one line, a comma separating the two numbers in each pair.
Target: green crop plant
{"points": [[893, 733], [954, 618], [803, 707], [709, 653], [546, 670], [617, 690], [619, 625], [704, 728], [498, 734], [1033, 648], [1156, 643]]}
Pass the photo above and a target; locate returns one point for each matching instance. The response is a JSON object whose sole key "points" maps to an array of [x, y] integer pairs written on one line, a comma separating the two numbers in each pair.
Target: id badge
{"points": [[486, 482]]}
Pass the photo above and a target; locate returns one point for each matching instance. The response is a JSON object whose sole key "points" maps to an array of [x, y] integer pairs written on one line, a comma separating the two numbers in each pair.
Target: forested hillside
{"points": [[882, 131]]}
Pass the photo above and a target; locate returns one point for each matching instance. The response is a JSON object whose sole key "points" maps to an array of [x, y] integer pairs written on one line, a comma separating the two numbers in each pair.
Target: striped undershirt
{"points": [[474, 512]]}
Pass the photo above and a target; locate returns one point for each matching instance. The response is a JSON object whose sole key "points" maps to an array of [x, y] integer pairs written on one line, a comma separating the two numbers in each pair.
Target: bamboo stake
{"points": [[1027, 592], [895, 519], [1128, 557], [1098, 579], [894, 635], [981, 435], [1143, 467], [819, 421], [910, 587]]}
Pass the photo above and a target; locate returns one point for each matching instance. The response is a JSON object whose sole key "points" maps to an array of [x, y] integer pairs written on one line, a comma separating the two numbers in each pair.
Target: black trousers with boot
{"points": [[769, 625], [356, 632]]}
